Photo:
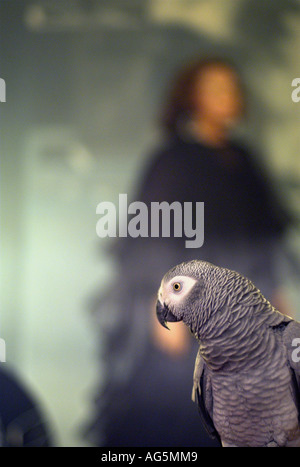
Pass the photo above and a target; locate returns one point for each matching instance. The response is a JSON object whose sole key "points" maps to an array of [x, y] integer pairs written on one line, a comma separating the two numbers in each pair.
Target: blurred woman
{"points": [[145, 400]]}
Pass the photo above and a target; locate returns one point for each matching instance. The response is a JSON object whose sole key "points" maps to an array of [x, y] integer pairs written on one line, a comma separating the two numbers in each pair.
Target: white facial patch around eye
{"points": [[176, 296], [160, 293]]}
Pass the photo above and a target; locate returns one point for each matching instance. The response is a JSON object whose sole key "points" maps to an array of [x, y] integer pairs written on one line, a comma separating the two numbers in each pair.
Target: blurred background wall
{"points": [[85, 79]]}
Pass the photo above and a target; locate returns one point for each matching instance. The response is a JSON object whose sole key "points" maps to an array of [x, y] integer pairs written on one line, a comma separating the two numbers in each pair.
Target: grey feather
{"points": [[202, 395], [246, 381]]}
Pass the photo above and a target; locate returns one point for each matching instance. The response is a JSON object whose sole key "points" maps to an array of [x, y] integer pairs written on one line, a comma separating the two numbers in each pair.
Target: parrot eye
{"points": [[176, 286]]}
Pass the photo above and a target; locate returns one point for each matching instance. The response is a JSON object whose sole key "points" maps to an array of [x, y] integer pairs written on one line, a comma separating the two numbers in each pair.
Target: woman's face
{"points": [[218, 95]]}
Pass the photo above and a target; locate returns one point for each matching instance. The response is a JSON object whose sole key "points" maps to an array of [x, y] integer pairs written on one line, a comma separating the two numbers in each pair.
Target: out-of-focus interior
{"points": [[84, 84]]}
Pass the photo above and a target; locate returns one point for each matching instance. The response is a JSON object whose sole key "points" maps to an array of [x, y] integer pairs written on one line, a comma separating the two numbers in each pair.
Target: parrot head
{"points": [[190, 292]]}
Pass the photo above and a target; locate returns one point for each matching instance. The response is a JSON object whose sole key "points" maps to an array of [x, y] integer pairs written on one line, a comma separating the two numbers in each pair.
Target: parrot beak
{"points": [[164, 314]]}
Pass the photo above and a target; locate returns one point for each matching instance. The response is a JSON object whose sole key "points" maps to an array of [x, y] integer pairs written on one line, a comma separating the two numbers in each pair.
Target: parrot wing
{"points": [[291, 338], [202, 395]]}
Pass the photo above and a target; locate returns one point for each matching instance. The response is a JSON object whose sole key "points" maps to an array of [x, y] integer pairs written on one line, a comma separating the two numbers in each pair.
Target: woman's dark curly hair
{"points": [[179, 105]]}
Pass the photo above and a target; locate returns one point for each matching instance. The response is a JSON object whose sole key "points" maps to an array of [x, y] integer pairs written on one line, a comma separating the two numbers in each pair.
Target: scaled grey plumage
{"points": [[246, 377]]}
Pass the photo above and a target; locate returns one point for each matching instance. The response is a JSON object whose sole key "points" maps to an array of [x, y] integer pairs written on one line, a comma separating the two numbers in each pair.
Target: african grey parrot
{"points": [[247, 370]]}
